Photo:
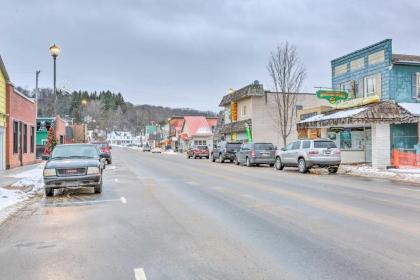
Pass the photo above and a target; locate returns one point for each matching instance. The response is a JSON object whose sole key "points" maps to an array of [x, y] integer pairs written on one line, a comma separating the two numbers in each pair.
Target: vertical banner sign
{"points": [[234, 111], [248, 133]]}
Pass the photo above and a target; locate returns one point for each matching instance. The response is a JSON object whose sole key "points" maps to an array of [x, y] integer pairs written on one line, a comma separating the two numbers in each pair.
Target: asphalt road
{"points": [[174, 218]]}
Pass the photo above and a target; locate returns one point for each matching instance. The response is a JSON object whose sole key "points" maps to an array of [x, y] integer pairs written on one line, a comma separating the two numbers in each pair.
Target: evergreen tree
{"points": [[51, 141]]}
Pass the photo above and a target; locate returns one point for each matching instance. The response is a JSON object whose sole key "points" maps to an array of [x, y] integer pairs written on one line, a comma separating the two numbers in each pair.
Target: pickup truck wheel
{"points": [[109, 161], [221, 158], [98, 187], [332, 170], [248, 162], [302, 165], [49, 191], [278, 164]]}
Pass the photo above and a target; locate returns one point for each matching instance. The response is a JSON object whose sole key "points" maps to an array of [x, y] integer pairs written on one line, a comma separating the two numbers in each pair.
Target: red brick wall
{"points": [[60, 130], [22, 110]]}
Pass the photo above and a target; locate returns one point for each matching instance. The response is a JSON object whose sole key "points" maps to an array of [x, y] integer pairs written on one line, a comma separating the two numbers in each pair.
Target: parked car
{"points": [[73, 166], [255, 154], [146, 149], [105, 150], [198, 151], [225, 151], [156, 150], [306, 154]]}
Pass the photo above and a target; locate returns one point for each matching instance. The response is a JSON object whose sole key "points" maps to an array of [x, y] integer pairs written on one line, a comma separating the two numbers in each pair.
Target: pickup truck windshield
{"points": [[74, 151]]}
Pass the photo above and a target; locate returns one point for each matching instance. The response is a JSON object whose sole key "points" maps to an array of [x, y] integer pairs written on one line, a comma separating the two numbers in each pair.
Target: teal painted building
{"points": [[382, 112]]}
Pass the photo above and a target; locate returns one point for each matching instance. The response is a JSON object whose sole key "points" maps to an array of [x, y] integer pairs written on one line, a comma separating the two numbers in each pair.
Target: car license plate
{"points": [[265, 154], [327, 152], [71, 171]]}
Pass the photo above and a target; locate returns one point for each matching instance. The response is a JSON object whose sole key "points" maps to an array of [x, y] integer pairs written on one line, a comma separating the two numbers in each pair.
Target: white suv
{"points": [[306, 154]]}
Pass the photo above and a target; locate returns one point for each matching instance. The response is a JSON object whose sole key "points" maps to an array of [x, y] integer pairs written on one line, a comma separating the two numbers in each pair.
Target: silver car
{"points": [[306, 154]]}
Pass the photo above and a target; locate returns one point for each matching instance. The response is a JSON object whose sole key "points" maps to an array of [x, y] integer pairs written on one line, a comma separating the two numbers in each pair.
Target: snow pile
{"points": [[337, 115], [29, 183], [170, 152], [10, 197], [368, 171], [32, 178]]}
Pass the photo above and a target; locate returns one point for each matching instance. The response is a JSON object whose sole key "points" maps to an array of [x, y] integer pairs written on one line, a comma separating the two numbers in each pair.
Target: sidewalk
{"points": [[8, 177], [404, 175], [18, 185]]}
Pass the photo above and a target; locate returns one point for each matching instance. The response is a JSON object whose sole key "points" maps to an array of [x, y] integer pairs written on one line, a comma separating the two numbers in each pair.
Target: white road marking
{"points": [[139, 274], [123, 200], [408, 189]]}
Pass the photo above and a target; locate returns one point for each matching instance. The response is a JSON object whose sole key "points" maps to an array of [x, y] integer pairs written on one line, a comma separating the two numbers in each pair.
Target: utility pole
{"points": [[37, 72], [36, 79]]}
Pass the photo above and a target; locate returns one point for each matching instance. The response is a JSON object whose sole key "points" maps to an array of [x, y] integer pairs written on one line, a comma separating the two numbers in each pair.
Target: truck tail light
{"points": [[337, 152], [253, 154]]}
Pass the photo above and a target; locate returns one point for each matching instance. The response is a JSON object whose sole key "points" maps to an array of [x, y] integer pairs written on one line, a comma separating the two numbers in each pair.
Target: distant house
{"points": [[120, 138], [20, 131], [197, 130], [175, 128]]}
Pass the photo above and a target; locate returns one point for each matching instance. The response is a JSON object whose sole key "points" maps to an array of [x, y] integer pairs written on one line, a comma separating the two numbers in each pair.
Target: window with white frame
{"points": [[369, 86], [243, 110], [418, 86]]}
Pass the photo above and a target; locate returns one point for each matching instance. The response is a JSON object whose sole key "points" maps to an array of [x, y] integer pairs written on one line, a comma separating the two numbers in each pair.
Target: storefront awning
{"points": [[381, 112]]}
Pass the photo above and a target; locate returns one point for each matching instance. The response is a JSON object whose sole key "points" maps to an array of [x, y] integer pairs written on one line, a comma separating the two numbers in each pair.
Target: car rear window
{"points": [[202, 147], [264, 146], [324, 144], [233, 145]]}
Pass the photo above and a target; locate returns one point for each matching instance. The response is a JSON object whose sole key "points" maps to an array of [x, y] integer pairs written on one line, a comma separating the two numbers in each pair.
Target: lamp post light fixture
{"points": [[55, 50]]}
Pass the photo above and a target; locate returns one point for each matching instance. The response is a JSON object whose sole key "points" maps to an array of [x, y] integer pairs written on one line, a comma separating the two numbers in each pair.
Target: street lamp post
{"points": [[55, 50]]}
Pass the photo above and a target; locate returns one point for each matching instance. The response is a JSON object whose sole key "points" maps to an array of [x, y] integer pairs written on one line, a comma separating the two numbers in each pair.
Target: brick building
{"points": [[42, 127], [20, 131]]}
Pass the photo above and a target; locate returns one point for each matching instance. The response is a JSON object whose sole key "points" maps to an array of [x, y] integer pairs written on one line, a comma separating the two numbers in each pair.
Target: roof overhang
{"points": [[382, 112]]}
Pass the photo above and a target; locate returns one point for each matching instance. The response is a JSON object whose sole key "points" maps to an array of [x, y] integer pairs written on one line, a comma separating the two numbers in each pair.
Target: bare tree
{"points": [[287, 74]]}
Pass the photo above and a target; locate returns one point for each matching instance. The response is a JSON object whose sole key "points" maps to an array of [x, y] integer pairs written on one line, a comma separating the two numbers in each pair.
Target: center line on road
{"points": [[139, 274], [123, 200]]}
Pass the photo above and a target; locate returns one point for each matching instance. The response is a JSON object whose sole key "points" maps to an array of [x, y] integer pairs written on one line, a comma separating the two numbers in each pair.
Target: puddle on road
{"points": [[72, 197]]}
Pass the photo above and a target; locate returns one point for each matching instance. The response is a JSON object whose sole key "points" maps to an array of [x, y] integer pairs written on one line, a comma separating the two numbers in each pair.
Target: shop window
{"points": [[369, 86], [348, 139], [25, 138]]}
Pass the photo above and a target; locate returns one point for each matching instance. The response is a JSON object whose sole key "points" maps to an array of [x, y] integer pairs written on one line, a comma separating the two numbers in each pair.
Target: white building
{"points": [[120, 138]]}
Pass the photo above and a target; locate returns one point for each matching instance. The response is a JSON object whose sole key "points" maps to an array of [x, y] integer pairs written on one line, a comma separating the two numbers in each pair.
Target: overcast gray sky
{"points": [[188, 53]]}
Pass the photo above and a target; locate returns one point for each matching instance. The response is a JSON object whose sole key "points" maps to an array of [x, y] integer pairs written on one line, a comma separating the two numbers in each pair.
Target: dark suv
{"points": [[255, 154], [225, 151]]}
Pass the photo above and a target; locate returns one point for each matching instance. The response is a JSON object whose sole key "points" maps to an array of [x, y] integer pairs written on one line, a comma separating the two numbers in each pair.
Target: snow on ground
{"points": [[30, 178], [28, 184], [170, 152], [368, 171]]}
